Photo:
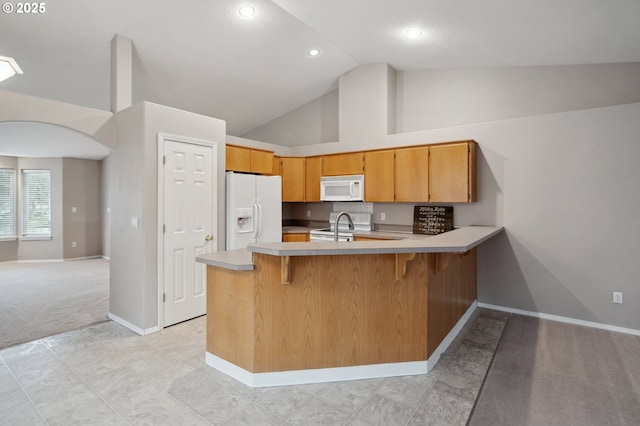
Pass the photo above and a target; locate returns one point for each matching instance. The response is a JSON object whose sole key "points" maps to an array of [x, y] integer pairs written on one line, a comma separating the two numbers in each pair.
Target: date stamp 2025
{"points": [[24, 8]]}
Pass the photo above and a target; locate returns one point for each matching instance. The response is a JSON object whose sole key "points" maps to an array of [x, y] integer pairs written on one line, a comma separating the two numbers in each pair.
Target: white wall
{"points": [[433, 99], [312, 123], [133, 176], [94, 122]]}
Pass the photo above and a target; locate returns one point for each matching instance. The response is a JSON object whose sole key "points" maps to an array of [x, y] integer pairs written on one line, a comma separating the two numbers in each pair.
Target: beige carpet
{"points": [[551, 373], [41, 299]]}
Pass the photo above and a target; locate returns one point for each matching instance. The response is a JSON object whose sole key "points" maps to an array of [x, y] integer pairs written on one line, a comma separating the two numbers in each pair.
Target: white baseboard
{"points": [[561, 319], [52, 260], [106, 257], [134, 328], [338, 374], [319, 375]]}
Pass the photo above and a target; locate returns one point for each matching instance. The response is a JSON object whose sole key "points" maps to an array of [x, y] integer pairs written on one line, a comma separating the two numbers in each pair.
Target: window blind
{"points": [[7, 203], [36, 208]]}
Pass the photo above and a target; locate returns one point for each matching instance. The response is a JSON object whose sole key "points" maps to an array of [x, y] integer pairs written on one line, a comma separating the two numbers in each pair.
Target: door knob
{"points": [[208, 237]]}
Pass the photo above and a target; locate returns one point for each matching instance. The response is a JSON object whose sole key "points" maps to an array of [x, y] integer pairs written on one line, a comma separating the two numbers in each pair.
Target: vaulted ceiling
{"points": [[202, 56]]}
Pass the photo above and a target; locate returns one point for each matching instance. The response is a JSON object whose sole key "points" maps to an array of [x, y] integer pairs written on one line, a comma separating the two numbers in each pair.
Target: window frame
{"points": [[24, 205], [13, 236]]}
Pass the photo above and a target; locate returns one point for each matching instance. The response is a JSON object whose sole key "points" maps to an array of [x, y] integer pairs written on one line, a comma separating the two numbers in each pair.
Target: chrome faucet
{"points": [[335, 230]]}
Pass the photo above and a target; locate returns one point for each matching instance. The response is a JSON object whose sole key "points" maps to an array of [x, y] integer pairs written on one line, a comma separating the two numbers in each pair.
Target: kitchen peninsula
{"points": [[289, 313]]}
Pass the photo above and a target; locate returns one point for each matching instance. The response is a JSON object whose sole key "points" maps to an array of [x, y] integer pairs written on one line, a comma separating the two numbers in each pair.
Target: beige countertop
{"points": [[456, 241]]}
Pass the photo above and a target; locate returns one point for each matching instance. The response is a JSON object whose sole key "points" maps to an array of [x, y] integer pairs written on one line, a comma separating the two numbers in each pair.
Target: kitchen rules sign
{"points": [[432, 220]]}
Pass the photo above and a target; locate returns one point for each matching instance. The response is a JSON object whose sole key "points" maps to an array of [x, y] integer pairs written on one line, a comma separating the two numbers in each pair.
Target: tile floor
{"points": [[105, 374]]}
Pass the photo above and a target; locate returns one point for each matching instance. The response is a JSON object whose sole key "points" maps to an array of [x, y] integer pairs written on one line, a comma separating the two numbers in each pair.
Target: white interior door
{"points": [[189, 220]]}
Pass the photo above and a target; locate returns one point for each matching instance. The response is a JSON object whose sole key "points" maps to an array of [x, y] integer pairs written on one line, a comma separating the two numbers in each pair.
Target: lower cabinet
{"points": [[295, 237]]}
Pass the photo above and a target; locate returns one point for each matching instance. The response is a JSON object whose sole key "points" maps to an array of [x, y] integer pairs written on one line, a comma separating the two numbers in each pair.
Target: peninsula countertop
{"points": [[456, 241]]}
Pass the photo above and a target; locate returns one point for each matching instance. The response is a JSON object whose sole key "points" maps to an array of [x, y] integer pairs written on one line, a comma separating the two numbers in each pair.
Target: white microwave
{"points": [[342, 188]]}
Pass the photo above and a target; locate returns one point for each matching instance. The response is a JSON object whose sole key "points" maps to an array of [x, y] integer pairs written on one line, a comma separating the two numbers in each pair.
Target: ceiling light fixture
{"points": [[8, 68], [314, 52], [247, 11], [413, 33]]}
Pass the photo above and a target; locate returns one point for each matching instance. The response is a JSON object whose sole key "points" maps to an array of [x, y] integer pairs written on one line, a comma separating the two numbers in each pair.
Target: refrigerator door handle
{"points": [[259, 221], [255, 222]]}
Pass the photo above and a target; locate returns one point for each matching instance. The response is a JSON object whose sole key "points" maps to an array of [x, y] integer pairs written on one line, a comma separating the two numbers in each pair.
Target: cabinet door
{"points": [[312, 172], [412, 174], [353, 163], [238, 159], [449, 173], [378, 176], [292, 179], [276, 169], [297, 237], [261, 162], [331, 165]]}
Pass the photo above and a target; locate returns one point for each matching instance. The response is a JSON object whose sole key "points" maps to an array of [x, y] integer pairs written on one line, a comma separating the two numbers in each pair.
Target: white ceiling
{"points": [[200, 56]]}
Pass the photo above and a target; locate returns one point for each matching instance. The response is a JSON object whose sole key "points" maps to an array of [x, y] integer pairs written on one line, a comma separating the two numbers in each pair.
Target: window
{"points": [[7, 203], [36, 203]]}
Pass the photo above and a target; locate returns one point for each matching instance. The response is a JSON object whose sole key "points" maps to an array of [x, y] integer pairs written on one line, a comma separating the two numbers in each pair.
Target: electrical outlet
{"points": [[74, 244], [617, 297], [73, 210], [383, 216], [308, 213]]}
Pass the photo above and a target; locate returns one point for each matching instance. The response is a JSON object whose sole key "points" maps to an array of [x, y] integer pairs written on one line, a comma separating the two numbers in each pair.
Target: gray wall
{"points": [[74, 182], [81, 189], [550, 176], [131, 172]]}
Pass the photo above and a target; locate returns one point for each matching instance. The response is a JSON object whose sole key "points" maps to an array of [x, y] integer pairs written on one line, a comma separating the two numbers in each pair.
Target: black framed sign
{"points": [[432, 220]]}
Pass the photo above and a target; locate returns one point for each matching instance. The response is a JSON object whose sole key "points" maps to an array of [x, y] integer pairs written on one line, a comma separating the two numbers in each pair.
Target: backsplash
{"points": [[398, 216]]}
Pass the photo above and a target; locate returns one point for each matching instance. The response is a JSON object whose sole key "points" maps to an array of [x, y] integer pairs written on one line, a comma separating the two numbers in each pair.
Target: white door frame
{"points": [[162, 137]]}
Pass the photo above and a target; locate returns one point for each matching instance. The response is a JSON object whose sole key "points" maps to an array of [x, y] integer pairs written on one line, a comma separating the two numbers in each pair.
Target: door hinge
{"points": [[164, 228], [164, 160], [164, 297]]}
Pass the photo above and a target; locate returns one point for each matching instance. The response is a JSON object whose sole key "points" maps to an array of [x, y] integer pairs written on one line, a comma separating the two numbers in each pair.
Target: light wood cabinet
{"points": [[379, 176], [412, 174], [296, 237], [238, 159], [452, 173], [343, 164], [293, 179], [261, 162], [276, 170], [360, 238], [312, 173], [241, 159]]}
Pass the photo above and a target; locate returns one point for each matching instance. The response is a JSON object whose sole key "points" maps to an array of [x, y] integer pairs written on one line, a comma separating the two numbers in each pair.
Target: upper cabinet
{"points": [[343, 164], [379, 176], [312, 173], [452, 173], [293, 179], [241, 159], [412, 174], [439, 173]]}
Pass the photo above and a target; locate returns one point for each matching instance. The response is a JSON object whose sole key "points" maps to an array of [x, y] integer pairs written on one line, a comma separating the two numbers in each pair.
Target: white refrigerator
{"points": [[254, 209]]}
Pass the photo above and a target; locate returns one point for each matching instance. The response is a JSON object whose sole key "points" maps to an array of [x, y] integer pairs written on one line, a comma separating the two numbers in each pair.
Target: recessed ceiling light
{"points": [[413, 33], [314, 52], [247, 11]]}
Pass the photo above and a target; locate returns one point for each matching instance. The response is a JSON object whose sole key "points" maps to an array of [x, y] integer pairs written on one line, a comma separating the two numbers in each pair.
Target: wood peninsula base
{"points": [[336, 317]]}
